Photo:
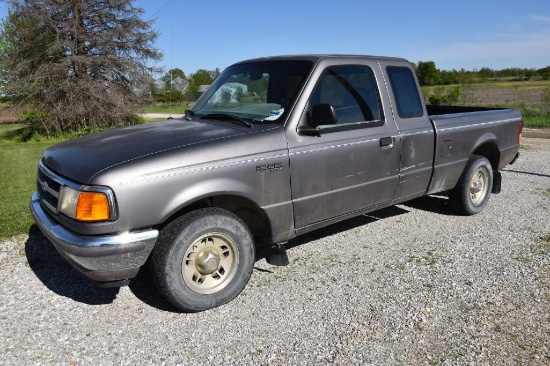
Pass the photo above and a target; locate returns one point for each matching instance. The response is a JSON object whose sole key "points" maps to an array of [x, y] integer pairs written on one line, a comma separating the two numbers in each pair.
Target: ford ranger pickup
{"points": [[275, 148]]}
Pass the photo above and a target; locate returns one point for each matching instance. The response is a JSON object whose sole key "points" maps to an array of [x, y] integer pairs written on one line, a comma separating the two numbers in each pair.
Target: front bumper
{"points": [[102, 258]]}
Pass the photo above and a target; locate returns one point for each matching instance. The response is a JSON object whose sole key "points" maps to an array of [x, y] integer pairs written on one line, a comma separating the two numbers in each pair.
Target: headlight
{"points": [[88, 206]]}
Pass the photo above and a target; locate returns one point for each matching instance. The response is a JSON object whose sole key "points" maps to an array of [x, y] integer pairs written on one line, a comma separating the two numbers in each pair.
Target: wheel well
{"points": [[254, 217], [491, 152]]}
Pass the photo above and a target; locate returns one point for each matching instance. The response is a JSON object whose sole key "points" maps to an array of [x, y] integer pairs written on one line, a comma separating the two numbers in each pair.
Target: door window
{"points": [[352, 92]]}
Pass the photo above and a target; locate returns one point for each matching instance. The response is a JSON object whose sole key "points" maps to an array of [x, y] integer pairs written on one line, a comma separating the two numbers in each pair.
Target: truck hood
{"points": [[82, 158]]}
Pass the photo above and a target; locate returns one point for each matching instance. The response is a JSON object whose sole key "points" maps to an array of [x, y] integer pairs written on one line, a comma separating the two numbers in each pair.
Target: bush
{"points": [[444, 96], [36, 126]]}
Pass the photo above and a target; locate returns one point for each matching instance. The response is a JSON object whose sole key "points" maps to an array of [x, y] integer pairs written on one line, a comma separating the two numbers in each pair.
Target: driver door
{"points": [[353, 163]]}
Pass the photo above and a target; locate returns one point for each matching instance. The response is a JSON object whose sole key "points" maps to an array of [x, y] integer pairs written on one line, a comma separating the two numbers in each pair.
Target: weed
{"points": [[523, 259], [418, 326], [543, 245], [429, 259]]}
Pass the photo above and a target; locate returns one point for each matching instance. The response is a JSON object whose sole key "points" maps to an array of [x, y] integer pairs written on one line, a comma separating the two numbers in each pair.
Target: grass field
{"points": [[18, 162], [527, 96], [165, 108]]}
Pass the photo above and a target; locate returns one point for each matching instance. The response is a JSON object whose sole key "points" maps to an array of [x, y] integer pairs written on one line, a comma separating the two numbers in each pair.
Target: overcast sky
{"points": [[468, 34]]}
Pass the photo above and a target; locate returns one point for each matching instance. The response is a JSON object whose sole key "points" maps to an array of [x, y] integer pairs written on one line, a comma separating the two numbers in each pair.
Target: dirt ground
{"points": [[536, 133], [7, 114], [506, 97]]}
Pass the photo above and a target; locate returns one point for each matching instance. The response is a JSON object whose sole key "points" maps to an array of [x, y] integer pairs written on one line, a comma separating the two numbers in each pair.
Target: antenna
{"points": [[171, 68]]}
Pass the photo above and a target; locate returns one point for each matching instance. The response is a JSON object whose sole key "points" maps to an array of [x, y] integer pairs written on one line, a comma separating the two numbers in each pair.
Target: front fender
{"points": [[199, 190]]}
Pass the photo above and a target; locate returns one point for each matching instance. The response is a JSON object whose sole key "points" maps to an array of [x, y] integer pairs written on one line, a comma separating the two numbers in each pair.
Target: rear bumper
{"points": [[100, 258]]}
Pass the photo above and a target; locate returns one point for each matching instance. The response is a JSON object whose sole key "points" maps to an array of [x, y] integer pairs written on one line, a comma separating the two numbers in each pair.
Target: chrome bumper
{"points": [[100, 258]]}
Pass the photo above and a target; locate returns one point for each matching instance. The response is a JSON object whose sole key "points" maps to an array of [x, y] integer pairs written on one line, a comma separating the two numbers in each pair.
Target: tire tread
{"points": [[163, 257], [459, 198]]}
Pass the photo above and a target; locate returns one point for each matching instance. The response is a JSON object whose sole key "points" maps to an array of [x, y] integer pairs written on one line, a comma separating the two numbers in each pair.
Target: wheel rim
{"points": [[478, 186], [210, 263]]}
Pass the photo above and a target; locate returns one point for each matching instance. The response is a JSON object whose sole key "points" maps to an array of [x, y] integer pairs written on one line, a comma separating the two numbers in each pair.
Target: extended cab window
{"points": [[352, 92], [405, 92]]}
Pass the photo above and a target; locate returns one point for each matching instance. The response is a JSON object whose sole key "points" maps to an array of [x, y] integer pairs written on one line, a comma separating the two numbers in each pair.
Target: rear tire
{"points": [[472, 192], [203, 259]]}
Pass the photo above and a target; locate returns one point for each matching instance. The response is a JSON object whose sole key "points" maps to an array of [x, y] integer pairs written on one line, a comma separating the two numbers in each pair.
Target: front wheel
{"points": [[472, 192], [203, 259]]}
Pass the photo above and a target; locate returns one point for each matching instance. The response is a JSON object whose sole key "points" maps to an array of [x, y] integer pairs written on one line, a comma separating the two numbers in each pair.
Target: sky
{"points": [[468, 34]]}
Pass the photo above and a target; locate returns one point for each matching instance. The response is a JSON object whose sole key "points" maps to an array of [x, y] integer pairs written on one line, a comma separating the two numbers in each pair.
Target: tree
{"points": [[486, 73], [215, 73], [193, 92], [238, 94], [172, 75], [427, 73], [200, 77], [175, 84], [226, 95], [449, 77], [6, 45], [78, 63], [544, 72]]}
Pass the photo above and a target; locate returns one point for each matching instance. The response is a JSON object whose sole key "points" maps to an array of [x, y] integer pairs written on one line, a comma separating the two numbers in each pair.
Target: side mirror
{"points": [[322, 114]]}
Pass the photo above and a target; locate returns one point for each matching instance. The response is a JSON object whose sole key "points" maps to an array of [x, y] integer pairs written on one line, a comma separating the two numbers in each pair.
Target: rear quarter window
{"points": [[405, 92]]}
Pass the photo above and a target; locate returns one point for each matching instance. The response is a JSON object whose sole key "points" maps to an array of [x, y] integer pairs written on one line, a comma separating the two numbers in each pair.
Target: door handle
{"points": [[386, 141]]}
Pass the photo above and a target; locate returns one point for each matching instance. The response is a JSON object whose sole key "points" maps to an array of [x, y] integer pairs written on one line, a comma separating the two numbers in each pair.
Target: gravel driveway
{"points": [[411, 284]]}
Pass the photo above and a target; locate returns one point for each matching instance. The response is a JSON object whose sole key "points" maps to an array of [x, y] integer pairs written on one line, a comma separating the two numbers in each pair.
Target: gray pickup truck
{"points": [[275, 148]]}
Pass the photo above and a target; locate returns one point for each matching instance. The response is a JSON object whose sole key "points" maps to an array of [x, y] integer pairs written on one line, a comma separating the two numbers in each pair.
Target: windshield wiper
{"points": [[227, 117]]}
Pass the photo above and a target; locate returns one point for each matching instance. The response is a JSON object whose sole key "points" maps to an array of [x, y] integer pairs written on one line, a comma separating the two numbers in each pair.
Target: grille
{"points": [[48, 189]]}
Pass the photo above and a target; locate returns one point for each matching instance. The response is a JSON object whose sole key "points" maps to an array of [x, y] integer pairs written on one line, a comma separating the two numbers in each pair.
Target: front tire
{"points": [[203, 259], [472, 192]]}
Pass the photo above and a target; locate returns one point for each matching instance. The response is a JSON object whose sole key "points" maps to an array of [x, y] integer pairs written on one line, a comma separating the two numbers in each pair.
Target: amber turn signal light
{"points": [[92, 206]]}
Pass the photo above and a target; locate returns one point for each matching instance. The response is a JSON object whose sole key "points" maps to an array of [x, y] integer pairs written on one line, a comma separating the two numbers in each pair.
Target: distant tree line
{"points": [[428, 74]]}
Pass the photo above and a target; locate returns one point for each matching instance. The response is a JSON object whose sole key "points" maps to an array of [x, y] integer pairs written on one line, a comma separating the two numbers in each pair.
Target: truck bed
{"points": [[435, 110], [492, 131]]}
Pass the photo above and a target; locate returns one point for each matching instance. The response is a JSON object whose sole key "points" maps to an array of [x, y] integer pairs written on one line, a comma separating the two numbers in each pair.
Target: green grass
{"points": [[536, 121], [513, 85], [9, 131], [18, 163], [165, 108]]}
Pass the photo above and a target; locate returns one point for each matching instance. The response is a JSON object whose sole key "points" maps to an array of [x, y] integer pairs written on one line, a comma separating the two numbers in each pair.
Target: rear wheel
{"points": [[473, 189], [203, 259]]}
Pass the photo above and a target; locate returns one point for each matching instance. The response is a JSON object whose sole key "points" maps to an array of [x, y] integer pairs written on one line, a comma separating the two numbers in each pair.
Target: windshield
{"points": [[260, 92]]}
